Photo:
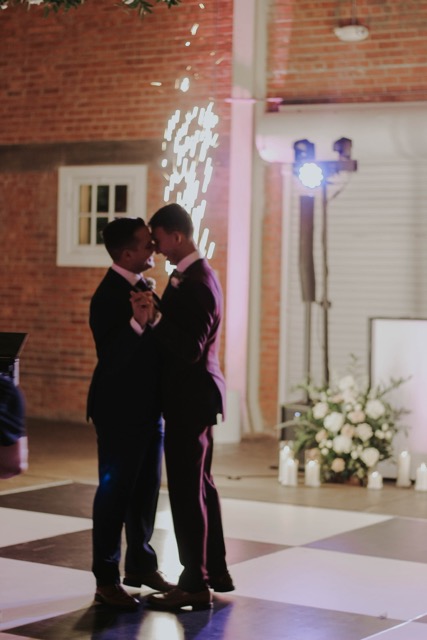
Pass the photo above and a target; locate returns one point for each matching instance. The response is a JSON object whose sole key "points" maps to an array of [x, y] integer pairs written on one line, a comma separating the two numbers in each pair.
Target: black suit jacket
{"points": [[125, 386], [189, 334]]}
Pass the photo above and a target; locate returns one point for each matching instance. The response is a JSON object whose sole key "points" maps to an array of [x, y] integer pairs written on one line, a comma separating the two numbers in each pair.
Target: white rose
{"points": [[370, 456], [385, 426], [348, 382], [334, 421], [355, 454], [324, 451], [320, 410], [320, 435], [374, 409], [349, 396], [338, 465], [356, 416], [342, 444], [364, 431], [348, 430], [379, 434]]}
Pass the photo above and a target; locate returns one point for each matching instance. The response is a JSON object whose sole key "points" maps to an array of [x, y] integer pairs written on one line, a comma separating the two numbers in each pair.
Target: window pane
{"points": [[85, 198], [102, 198], [84, 230], [121, 198], [100, 224]]}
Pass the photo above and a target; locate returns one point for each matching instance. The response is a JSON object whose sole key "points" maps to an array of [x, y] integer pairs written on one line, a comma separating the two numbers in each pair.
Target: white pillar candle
{"points": [[312, 473], [421, 477], [403, 470], [290, 473], [284, 455], [375, 480]]}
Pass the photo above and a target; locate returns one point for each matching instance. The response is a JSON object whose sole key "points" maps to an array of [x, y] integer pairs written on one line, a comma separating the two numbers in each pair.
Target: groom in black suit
{"points": [[124, 405], [193, 394]]}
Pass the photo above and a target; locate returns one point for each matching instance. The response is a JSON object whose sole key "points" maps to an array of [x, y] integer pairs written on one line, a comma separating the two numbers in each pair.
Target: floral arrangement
{"points": [[351, 428], [142, 6]]}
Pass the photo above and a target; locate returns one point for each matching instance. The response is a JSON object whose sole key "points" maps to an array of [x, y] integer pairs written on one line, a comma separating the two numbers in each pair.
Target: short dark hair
{"points": [[173, 217], [118, 235]]}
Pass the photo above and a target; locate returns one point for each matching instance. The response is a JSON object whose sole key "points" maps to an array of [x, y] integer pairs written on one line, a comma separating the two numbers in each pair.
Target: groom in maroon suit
{"points": [[193, 395]]}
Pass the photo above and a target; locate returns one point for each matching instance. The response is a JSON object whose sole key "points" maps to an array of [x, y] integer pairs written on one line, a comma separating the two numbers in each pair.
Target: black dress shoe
{"points": [[113, 595], [222, 583], [155, 580], [177, 598]]}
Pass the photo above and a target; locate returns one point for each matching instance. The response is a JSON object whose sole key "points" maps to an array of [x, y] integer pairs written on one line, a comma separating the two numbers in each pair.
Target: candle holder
{"points": [[403, 469], [375, 480], [421, 478], [312, 473], [286, 452]]}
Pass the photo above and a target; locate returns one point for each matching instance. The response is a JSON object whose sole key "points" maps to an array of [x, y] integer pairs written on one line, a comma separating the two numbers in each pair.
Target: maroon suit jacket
{"points": [[193, 389]]}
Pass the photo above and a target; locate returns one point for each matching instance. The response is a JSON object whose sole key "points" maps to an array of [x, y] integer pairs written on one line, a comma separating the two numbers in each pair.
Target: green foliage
{"points": [[141, 6]]}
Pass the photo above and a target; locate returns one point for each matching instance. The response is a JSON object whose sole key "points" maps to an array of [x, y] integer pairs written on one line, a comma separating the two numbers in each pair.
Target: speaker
{"points": [[306, 263]]}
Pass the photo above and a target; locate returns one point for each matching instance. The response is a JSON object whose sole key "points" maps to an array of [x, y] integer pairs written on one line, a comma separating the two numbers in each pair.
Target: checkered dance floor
{"points": [[301, 573]]}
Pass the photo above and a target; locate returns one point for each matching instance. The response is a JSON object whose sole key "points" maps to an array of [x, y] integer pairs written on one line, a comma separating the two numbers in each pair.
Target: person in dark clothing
{"points": [[13, 438], [193, 391], [124, 405]]}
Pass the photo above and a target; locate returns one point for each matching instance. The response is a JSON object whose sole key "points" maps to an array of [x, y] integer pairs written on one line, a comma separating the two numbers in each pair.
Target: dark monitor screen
{"points": [[11, 344]]}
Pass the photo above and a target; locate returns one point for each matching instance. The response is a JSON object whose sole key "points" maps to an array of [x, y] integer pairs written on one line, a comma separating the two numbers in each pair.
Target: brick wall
{"points": [[80, 76], [85, 75]]}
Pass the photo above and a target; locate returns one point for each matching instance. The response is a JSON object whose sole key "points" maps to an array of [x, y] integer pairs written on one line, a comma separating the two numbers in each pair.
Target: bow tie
{"points": [[141, 285], [179, 275]]}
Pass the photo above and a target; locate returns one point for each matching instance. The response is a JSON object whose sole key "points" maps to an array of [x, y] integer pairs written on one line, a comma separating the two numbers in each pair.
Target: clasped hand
{"points": [[143, 307]]}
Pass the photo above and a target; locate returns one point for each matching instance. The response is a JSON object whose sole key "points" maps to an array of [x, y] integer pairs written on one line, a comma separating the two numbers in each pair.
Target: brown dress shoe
{"points": [[114, 595], [222, 583], [155, 580], [177, 598]]}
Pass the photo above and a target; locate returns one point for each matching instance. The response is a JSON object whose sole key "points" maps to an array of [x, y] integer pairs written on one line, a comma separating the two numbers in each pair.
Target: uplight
{"points": [[311, 175]]}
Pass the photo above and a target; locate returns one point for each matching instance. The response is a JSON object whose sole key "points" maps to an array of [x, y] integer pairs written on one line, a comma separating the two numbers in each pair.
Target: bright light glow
{"points": [[187, 44], [156, 84], [210, 250], [201, 5], [185, 85], [194, 29], [311, 175], [192, 138], [164, 163]]}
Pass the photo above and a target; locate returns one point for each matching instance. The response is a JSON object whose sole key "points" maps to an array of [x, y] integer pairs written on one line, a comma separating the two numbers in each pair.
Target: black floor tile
{"points": [[234, 618], [397, 539]]}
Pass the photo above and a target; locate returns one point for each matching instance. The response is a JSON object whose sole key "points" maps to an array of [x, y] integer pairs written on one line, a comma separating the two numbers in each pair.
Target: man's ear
{"points": [[178, 237]]}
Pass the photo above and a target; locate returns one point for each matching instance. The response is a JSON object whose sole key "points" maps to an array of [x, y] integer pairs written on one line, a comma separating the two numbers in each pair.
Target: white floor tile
{"points": [[337, 581], [288, 524], [22, 526], [31, 591]]}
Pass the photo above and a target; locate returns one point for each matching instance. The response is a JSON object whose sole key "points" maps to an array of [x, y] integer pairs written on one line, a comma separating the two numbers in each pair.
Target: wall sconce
{"points": [[354, 31]]}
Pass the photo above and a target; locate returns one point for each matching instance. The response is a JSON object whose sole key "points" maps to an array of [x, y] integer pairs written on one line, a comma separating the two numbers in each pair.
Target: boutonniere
{"points": [[176, 278], [151, 283]]}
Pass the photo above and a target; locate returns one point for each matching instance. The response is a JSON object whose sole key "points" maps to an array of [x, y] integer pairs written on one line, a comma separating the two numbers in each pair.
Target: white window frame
{"points": [[69, 252]]}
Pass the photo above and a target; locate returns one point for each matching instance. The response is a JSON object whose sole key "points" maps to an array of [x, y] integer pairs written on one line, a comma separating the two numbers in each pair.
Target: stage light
{"points": [[303, 151], [310, 175], [343, 148]]}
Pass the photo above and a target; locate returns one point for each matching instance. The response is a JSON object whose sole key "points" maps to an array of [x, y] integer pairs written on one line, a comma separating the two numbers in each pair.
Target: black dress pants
{"points": [[129, 467], [195, 505]]}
